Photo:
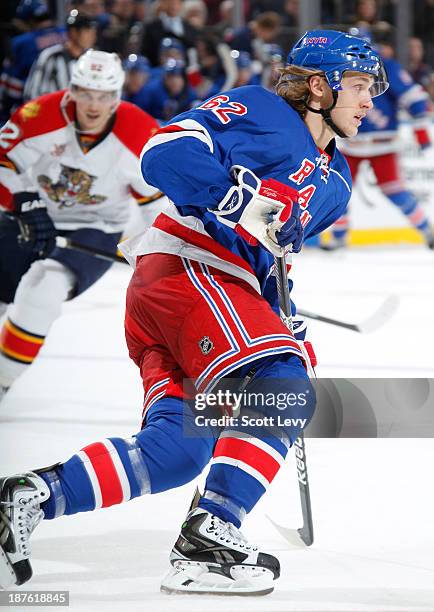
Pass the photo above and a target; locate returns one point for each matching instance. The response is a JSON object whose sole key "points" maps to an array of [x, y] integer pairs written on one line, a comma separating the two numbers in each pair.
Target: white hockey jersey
{"points": [[40, 151]]}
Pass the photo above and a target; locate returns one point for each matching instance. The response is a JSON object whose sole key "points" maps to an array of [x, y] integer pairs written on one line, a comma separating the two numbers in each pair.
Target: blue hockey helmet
{"points": [[138, 63], [333, 53]]}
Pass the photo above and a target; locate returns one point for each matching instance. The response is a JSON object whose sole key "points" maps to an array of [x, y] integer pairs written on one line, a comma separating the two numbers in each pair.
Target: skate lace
{"points": [[228, 533], [24, 522]]}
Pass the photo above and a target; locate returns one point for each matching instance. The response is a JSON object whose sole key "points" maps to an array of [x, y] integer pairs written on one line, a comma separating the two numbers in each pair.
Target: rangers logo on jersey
{"points": [[306, 168]]}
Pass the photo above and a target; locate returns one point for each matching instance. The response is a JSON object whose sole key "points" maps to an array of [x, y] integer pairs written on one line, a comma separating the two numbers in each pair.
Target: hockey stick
{"points": [[67, 243], [369, 325], [304, 535]]}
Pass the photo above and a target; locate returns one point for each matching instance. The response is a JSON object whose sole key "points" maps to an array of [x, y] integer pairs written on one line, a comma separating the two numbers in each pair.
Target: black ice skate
{"points": [[20, 513], [211, 556]]}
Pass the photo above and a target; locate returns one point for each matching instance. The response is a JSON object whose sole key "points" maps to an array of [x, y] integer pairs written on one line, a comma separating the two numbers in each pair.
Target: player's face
{"points": [[94, 108], [354, 102]]}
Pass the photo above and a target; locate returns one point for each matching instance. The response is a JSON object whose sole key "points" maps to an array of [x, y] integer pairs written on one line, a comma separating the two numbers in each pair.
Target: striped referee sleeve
{"points": [[49, 73]]}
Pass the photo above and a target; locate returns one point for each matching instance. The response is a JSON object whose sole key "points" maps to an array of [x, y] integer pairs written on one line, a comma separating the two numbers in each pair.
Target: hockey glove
{"points": [[37, 229], [285, 229], [266, 211]]}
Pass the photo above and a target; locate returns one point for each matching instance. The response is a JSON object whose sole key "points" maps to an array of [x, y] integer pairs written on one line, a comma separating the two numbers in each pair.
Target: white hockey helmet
{"points": [[98, 70]]}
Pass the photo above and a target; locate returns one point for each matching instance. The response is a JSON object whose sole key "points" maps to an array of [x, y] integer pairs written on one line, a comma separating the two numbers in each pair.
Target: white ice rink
{"points": [[373, 500]]}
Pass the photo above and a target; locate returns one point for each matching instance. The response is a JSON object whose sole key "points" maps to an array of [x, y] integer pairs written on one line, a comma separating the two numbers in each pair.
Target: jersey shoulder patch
{"points": [[41, 115]]}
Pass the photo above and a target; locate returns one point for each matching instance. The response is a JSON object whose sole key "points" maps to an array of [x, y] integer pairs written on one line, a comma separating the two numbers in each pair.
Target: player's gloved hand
{"points": [[423, 138], [285, 229], [37, 229], [259, 210]]}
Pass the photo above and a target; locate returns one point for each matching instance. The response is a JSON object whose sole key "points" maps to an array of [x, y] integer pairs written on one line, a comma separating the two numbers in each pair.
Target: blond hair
{"points": [[293, 86]]}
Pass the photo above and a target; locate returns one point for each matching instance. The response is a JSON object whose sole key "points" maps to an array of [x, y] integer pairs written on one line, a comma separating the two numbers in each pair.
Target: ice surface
{"points": [[373, 500]]}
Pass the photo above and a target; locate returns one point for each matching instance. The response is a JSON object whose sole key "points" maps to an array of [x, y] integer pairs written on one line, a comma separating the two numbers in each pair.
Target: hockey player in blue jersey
{"points": [[378, 142], [25, 49], [246, 171]]}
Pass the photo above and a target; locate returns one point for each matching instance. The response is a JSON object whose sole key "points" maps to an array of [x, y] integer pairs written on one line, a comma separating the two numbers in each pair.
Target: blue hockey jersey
{"points": [[377, 134], [190, 161], [25, 49]]}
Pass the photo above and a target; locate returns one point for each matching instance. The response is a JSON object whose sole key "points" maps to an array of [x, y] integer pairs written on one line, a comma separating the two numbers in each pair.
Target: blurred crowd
{"points": [[178, 52]]}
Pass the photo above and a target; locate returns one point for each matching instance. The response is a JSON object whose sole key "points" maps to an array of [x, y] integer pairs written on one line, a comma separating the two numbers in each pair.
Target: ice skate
{"points": [[20, 513], [213, 557]]}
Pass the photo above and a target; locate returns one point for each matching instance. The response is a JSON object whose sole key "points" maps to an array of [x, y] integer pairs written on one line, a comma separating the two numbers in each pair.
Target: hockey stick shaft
{"points": [[317, 317], [67, 243], [306, 531], [373, 322]]}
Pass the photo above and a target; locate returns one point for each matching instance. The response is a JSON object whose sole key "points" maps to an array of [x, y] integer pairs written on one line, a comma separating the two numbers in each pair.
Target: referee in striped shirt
{"points": [[52, 70]]}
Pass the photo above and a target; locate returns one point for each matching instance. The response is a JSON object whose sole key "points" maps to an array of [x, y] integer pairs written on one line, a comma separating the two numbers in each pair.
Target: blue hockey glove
{"points": [[37, 229]]}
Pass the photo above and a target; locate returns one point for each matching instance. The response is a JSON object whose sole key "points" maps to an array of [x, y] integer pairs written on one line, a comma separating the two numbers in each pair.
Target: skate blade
{"points": [[194, 579], [7, 574]]}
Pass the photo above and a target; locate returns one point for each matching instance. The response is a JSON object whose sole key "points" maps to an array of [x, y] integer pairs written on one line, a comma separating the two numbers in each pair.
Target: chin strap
{"points": [[326, 114]]}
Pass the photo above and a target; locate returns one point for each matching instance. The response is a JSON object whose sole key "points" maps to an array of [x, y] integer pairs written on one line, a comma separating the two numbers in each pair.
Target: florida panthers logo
{"points": [[72, 187]]}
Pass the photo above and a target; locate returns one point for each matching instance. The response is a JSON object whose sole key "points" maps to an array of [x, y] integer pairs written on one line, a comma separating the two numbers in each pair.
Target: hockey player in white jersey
{"points": [[68, 166]]}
